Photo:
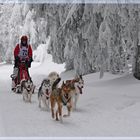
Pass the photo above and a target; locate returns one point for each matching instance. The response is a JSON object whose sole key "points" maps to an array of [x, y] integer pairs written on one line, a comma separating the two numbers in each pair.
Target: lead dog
{"points": [[66, 97], [55, 95], [62, 97], [44, 93], [27, 89], [76, 86]]}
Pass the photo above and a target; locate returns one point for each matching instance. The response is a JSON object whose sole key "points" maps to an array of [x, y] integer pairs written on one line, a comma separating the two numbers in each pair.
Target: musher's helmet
{"points": [[24, 40]]}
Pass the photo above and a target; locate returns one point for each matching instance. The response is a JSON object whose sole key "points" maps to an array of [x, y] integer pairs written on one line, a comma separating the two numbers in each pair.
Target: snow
{"points": [[108, 107], [43, 63], [80, 33], [40, 54]]}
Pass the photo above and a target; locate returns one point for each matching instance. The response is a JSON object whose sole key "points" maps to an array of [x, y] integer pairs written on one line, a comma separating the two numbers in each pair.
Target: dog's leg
{"points": [[69, 106], [57, 115], [26, 97], [60, 111], [29, 96], [73, 102], [52, 107], [47, 104], [76, 96], [39, 102], [44, 100], [23, 96]]}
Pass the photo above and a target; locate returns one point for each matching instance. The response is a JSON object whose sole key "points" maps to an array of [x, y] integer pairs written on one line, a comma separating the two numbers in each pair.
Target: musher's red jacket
{"points": [[17, 49]]}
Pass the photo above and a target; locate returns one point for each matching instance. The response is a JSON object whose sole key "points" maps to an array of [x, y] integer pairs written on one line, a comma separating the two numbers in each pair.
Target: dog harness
{"points": [[47, 94], [64, 100]]}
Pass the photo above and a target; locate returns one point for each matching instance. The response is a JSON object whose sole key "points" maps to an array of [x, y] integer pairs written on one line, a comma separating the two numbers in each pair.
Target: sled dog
{"points": [[76, 86], [44, 93], [53, 76], [27, 89], [60, 96], [55, 96], [66, 97]]}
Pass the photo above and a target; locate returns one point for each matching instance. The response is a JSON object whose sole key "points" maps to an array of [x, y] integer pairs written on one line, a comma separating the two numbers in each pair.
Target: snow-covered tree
{"points": [[86, 37]]}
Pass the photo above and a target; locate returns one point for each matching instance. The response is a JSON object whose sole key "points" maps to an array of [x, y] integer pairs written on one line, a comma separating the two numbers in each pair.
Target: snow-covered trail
{"points": [[108, 107], [18, 118]]}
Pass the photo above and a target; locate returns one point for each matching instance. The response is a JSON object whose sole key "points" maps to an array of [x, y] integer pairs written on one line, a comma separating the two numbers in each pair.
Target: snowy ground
{"points": [[108, 107]]}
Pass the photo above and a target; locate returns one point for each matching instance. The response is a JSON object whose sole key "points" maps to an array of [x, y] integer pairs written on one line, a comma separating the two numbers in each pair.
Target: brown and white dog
{"points": [[27, 89], [62, 97], [66, 97], [44, 93], [55, 99], [76, 85], [54, 96]]}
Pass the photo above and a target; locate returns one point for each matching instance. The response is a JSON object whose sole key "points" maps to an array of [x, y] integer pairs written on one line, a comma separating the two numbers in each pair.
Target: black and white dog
{"points": [[44, 93], [27, 89], [79, 84]]}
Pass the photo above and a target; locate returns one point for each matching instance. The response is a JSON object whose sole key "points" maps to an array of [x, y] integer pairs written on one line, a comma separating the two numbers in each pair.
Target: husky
{"points": [[55, 100], [55, 97], [27, 89], [44, 93], [66, 97], [76, 86], [53, 76], [61, 97]]}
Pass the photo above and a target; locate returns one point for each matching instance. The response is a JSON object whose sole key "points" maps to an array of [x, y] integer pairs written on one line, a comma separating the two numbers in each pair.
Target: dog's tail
{"points": [[55, 83]]}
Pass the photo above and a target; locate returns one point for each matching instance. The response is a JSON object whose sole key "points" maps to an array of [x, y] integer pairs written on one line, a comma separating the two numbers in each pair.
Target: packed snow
{"points": [[107, 107]]}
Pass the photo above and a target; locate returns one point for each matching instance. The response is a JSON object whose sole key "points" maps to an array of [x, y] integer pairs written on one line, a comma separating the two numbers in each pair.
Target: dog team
{"points": [[54, 96]]}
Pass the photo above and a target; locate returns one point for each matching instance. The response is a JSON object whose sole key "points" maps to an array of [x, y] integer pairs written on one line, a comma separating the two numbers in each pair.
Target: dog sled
{"points": [[19, 74]]}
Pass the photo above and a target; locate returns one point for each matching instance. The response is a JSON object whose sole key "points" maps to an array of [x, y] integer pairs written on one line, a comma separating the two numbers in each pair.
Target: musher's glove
{"points": [[29, 62], [17, 61]]}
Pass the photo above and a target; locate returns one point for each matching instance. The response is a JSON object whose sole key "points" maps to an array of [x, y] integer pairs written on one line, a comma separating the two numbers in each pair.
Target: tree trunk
{"points": [[136, 64]]}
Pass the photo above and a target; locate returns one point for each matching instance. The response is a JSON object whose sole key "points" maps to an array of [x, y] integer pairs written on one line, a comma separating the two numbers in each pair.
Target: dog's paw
{"points": [[57, 119]]}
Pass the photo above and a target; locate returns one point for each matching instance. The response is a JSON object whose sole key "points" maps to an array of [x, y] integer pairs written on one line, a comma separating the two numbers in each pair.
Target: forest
{"points": [[86, 37]]}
